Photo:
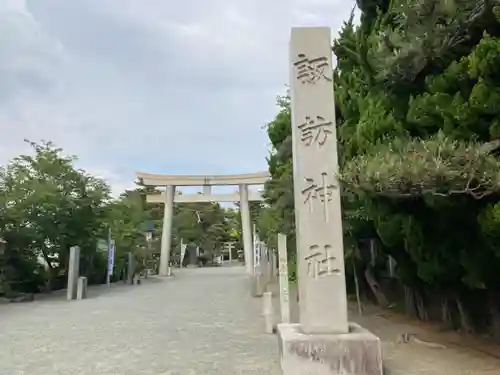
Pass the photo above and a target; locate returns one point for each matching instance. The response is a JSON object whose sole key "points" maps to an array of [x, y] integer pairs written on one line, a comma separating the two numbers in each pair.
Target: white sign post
{"points": [[257, 252], [111, 260], [183, 252], [283, 279]]}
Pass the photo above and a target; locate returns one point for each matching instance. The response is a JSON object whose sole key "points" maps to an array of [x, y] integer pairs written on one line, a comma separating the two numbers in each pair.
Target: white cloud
{"points": [[149, 85]]}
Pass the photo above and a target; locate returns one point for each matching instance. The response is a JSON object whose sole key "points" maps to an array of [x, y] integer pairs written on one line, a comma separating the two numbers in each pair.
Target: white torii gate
{"points": [[169, 197]]}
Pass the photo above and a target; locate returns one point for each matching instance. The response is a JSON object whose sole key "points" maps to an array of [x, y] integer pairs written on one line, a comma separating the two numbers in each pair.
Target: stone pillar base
{"points": [[168, 273], [355, 353]]}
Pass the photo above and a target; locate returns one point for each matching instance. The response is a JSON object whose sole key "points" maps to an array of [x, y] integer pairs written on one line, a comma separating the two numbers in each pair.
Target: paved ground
{"points": [[203, 321]]}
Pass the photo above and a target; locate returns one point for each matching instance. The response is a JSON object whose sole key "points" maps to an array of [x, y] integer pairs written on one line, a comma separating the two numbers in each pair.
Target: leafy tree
{"points": [[206, 224], [46, 206], [279, 216], [434, 81]]}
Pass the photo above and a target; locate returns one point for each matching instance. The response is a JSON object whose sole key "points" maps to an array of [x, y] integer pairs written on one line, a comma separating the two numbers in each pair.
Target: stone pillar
{"points": [[318, 215], [73, 271], [81, 292], [283, 279], [258, 273], [166, 235], [258, 285], [246, 225], [324, 342], [268, 312]]}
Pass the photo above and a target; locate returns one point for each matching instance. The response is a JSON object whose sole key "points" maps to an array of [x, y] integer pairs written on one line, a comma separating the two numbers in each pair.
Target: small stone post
{"points": [[258, 282], [81, 292], [262, 276], [73, 272], [268, 312], [283, 279]]}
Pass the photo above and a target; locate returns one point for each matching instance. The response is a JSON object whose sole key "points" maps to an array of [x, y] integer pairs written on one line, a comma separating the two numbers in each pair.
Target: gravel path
{"points": [[418, 359], [203, 321]]}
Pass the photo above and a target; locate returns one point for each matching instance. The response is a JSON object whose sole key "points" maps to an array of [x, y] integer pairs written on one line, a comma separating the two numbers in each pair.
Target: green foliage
{"points": [[437, 166], [207, 225], [125, 218], [429, 178], [278, 215], [46, 206]]}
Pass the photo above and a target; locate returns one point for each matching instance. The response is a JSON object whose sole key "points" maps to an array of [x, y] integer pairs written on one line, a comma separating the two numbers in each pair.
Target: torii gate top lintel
{"points": [[151, 179]]}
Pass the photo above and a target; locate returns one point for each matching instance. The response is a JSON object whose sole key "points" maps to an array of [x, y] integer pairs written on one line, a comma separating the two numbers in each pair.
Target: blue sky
{"points": [[180, 87]]}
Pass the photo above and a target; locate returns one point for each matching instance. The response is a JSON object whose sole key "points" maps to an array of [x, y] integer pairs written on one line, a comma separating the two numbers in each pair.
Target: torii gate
{"points": [[169, 197]]}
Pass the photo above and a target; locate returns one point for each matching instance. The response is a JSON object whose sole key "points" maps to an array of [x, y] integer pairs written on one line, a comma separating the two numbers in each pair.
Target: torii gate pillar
{"points": [[166, 234], [246, 226]]}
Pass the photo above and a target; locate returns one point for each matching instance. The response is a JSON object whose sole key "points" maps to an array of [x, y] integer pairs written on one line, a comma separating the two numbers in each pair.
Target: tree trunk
{"points": [[445, 313], [356, 285], [465, 326], [375, 288], [421, 310], [50, 272], [410, 308], [90, 266], [494, 304], [4, 283]]}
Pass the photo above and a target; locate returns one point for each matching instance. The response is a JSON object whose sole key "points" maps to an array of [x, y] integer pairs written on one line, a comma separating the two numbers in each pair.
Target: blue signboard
{"points": [[148, 226], [151, 226]]}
